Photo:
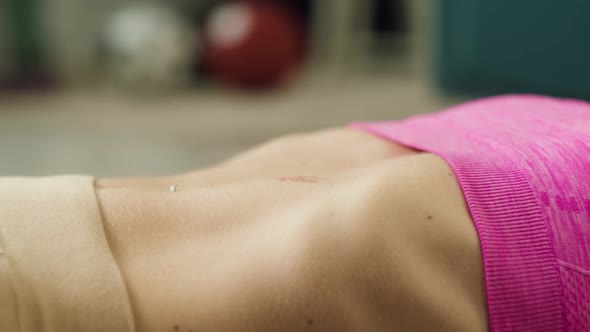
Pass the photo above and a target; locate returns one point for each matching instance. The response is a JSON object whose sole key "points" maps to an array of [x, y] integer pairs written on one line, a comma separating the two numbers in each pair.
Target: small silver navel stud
{"points": [[174, 188]]}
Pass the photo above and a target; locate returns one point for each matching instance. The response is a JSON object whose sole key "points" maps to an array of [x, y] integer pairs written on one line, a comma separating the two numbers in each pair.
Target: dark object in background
{"points": [[25, 49], [388, 17], [388, 24], [507, 46]]}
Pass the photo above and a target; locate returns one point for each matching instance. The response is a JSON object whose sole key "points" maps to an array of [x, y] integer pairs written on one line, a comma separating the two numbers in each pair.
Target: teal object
{"points": [[490, 47]]}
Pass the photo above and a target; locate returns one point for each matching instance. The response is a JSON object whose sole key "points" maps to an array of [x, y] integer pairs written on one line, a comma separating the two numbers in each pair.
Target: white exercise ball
{"points": [[149, 46]]}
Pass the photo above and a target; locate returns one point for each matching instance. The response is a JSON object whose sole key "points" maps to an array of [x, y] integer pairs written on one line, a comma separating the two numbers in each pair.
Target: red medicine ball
{"points": [[253, 44]]}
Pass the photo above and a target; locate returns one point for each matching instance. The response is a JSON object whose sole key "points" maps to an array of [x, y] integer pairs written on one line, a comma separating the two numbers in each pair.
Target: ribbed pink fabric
{"points": [[523, 163]]}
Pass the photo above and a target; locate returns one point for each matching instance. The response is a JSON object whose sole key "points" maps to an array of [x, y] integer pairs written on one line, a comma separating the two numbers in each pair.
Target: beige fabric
{"points": [[57, 272]]}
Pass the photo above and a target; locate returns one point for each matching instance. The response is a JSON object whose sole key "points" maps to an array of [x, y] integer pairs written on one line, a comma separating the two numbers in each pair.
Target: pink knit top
{"points": [[523, 163]]}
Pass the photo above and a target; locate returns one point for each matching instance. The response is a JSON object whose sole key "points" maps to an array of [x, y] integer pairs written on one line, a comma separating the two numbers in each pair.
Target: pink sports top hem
{"points": [[523, 165]]}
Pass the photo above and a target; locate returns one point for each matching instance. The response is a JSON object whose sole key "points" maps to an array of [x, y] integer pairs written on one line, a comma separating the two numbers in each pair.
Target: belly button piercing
{"points": [[174, 188]]}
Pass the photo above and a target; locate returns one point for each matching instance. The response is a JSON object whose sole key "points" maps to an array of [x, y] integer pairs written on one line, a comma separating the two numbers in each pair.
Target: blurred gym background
{"points": [[138, 88]]}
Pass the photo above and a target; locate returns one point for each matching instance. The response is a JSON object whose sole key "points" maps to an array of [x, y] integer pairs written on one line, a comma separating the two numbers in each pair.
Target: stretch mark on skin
{"points": [[300, 179]]}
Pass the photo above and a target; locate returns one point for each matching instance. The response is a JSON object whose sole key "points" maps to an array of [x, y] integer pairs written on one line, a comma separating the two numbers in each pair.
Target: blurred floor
{"points": [[105, 133]]}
